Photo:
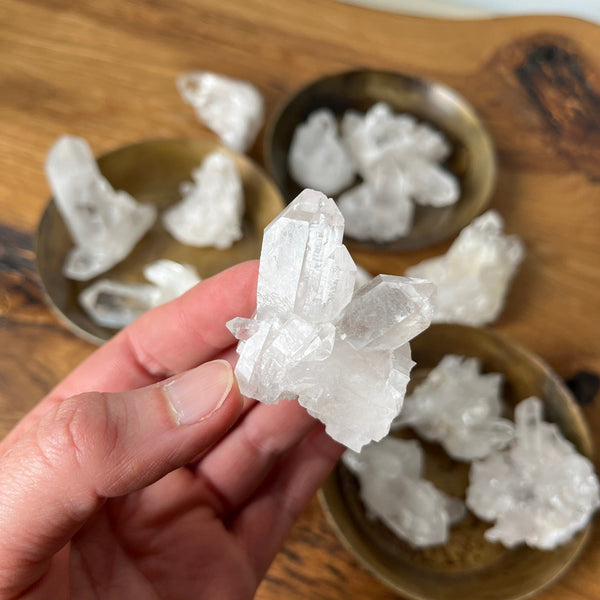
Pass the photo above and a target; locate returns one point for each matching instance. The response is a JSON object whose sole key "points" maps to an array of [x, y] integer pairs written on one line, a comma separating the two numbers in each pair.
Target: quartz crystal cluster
{"points": [[345, 356], [210, 213], [397, 158], [104, 224], [116, 304], [233, 109], [472, 278], [460, 408], [393, 490], [539, 491]]}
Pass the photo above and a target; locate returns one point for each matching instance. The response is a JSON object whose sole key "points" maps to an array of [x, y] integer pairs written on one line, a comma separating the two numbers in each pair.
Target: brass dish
{"points": [[468, 566], [473, 159], [151, 171]]}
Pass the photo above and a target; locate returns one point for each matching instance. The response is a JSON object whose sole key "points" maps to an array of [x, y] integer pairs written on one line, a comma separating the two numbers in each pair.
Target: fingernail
{"points": [[196, 394]]}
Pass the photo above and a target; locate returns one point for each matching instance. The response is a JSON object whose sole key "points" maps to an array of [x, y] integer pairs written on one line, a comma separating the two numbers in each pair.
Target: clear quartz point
{"points": [[302, 344], [104, 224], [233, 109], [394, 491], [539, 491]]}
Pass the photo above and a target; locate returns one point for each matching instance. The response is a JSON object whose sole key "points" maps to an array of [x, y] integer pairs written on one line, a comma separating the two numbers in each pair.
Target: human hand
{"points": [[144, 475]]}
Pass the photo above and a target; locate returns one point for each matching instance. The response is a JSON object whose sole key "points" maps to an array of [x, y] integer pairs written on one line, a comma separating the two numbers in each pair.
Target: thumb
{"points": [[97, 446]]}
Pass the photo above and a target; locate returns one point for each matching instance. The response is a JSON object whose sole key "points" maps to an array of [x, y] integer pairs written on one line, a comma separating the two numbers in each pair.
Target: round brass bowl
{"points": [[473, 159], [151, 171], [467, 566]]}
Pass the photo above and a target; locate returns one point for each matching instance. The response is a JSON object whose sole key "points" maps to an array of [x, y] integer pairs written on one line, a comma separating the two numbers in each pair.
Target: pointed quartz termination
{"points": [[116, 304], [233, 109], [539, 491], [472, 278], [393, 490], [210, 213], [104, 224], [460, 408], [301, 343], [317, 158]]}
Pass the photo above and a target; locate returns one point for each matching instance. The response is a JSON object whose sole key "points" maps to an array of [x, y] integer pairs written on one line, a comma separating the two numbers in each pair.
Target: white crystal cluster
{"points": [[472, 278], [397, 158], [233, 109], [210, 212], [117, 304], [393, 490], [539, 491], [460, 408], [104, 224], [345, 356]]}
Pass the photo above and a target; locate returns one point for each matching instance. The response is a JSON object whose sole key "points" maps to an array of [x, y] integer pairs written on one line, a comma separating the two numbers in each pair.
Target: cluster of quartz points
{"points": [[343, 354], [473, 277], [233, 109], [393, 490], [539, 491], [117, 304], [460, 408], [397, 158]]}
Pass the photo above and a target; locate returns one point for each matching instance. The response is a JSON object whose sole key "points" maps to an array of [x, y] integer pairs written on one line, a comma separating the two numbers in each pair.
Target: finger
{"points": [[168, 339], [238, 465], [97, 446], [263, 524]]}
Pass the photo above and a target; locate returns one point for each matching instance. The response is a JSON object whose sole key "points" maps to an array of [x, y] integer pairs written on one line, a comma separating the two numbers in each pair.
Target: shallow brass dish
{"points": [[473, 160], [468, 566], [151, 171]]}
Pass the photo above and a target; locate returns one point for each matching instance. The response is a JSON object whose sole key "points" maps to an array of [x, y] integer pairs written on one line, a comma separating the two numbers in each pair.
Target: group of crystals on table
{"points": [[116, 304], [393, 489], [105, 225], [473, 277], [343, 354], [398, 159]]}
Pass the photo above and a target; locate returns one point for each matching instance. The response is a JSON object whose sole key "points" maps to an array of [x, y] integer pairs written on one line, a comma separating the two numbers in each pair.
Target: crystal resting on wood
{"points": [[117, 304], [393, 490], [104, 224], [472, 278], [233, 109], [210, 213], [460, 408], [344, 356], [539, 491], [317, 157]]}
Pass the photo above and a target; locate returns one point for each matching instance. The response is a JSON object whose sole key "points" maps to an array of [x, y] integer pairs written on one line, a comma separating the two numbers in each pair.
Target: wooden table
{"points": [[105, 70]]}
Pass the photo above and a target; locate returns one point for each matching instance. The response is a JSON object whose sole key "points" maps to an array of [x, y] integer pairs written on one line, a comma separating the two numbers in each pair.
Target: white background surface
{"points": [[468, 9]]}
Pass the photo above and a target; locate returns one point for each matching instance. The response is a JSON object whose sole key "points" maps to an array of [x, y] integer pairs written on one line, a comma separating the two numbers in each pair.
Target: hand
{"points": [[144, 475]]}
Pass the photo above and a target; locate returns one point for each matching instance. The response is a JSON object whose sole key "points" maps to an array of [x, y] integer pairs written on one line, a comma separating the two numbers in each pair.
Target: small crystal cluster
{"points": [[472, 278], [117, 304], [539, 491], [104, 224], [345, 356], [210, 213], [233, 109], [460, 408], [393, 490], [396, 157]]}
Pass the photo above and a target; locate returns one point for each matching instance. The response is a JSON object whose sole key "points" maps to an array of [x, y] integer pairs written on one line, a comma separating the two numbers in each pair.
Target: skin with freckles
{"points": [[145, 473]]}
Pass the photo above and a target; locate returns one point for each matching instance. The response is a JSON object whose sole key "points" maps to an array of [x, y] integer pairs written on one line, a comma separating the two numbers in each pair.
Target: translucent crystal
{"points": [[317, 158], [210, 213], [302, 344], [539, 491], [431, 185], [233, 109], [472, 278], [104, 224], [117, 304], [393, 490], [362, 277], [460, 408]]}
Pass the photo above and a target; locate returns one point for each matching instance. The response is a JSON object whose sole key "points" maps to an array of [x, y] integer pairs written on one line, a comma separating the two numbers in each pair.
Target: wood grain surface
{"points": [[105, 70]]}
